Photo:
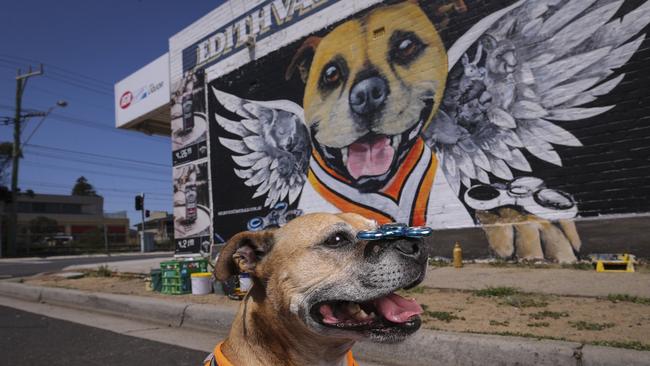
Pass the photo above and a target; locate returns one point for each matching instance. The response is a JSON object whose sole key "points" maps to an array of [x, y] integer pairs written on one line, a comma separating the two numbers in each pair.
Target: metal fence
{"points": [[45, 244]]}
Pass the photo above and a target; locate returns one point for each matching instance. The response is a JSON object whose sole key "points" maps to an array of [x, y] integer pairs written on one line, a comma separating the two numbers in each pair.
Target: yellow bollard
{"points": [[458, 256]]}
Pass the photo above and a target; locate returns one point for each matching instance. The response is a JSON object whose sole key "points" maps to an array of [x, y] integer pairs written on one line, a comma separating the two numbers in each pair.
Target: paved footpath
{"points": [[22, 267], [550, 281], [29, 339]]}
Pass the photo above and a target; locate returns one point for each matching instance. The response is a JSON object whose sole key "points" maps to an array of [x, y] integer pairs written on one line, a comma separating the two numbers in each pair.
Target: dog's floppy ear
{"points": [[242, 253], [303, 58]]}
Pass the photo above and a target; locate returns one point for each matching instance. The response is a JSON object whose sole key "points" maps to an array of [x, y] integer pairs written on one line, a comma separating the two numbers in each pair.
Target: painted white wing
{"points": [[518, 73], [272, 147]]}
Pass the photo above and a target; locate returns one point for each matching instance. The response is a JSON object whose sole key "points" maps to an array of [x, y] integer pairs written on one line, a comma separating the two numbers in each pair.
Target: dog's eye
{"points": [[336, 240], [331, 75], [405, 47]]}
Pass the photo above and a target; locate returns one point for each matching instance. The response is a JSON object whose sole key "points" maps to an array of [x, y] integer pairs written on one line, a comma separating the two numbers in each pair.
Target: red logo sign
{"points": [[126, 99]]}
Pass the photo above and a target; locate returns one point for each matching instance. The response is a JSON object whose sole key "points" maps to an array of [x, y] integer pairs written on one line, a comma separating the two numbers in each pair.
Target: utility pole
{"points": [[21, 82]]}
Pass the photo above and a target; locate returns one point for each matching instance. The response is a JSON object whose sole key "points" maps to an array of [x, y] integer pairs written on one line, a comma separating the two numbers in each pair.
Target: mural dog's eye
{"points": [[337, 240], [331, 75], [405, 47]]}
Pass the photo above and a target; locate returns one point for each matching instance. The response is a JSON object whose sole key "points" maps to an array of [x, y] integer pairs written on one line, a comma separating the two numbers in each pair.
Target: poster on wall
{"points": [[191, 208], [189, 152], [189, 120], [490, 113]]}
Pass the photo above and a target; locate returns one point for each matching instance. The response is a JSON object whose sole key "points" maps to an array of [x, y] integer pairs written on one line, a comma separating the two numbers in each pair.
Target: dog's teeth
{"points": [[362, 315], [353, 308], [344, 155], [395, 141]]}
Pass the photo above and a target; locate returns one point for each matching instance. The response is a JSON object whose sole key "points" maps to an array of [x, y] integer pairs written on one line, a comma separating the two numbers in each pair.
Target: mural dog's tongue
{"points": [[370, 157], [397, 309]]}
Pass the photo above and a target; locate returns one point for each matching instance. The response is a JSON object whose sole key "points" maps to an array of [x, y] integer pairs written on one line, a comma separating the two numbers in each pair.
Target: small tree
{"points": [[83, 188]]}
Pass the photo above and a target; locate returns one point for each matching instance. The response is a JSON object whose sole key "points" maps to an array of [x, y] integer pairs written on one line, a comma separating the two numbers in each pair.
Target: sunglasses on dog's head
{"points": [[394, 231]]}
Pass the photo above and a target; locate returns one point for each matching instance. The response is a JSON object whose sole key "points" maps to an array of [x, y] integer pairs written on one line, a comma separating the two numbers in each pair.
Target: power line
{"points": [[54, 185], [98, 155], [101, 164], [111, 196], [93, 124], [80, 86], [98, 125], [70, 80], [55, 67], [59, 167]]}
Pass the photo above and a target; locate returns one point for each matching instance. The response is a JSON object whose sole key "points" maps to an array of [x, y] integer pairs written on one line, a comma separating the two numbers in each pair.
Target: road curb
{"points": [[426, 347]]}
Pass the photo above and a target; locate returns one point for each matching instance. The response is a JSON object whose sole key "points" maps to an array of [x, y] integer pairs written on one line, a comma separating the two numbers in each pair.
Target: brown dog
{"points": [[317, 289]]}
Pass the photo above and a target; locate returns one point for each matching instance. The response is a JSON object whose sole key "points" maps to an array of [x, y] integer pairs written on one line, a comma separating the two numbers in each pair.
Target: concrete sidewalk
{"points": [[426, 347], [478, 276], [62, 257], [141, 266], [547, 280]]}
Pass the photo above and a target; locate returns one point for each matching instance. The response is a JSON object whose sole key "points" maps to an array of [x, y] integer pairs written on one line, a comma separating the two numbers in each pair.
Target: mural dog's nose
{"points": [[368, 95]]}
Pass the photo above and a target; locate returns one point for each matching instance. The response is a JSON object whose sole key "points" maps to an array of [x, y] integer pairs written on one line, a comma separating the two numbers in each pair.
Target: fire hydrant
{"points": [[458, 255]]}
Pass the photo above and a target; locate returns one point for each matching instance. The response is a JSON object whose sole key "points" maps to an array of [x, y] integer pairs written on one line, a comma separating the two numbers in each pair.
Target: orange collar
{"points": [[218, 359]]}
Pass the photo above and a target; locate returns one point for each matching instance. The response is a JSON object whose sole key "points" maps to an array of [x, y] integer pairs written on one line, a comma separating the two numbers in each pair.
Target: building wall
{"points": [[75, 215], [511, 117]]}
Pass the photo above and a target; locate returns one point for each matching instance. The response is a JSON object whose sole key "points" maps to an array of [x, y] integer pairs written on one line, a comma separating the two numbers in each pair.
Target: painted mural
{"points": [[398, 116]]}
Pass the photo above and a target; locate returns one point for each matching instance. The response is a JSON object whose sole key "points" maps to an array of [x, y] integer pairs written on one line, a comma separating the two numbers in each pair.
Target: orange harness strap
{"points": [[216, 358]]}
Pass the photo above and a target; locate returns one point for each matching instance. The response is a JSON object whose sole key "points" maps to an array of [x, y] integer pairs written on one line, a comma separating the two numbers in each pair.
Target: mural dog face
{"points": [[312, 277], [371, 85]]}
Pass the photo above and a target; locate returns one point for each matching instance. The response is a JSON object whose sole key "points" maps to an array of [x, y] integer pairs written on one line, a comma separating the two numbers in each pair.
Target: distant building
{"points": [[74, 215], [160, 224]]}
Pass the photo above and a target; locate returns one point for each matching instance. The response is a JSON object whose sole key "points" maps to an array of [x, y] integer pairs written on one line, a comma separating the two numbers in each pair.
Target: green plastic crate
{"points": [[176, 275]]}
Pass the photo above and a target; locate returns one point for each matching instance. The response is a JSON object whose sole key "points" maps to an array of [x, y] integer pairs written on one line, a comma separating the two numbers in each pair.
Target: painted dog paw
{"points": [[512, 233], [526, 220]]}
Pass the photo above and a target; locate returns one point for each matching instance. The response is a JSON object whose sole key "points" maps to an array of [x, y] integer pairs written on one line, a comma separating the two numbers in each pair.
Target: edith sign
{"points": [[260, 22]]}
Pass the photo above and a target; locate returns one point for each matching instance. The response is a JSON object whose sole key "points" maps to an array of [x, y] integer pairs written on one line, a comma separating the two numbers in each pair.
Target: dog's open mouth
{"points": [[371, 155], [376, 156], [388, 311]]}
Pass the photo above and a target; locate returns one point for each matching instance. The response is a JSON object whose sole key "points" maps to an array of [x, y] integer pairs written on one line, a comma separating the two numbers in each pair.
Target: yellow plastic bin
{"points": [[201, 283]]}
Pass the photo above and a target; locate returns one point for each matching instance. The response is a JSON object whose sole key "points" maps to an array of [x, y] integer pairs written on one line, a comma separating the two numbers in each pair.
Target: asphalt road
{"points": [[31, 339], [29, 267]]}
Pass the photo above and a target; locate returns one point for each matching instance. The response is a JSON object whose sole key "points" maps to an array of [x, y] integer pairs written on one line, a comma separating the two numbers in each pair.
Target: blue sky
{"points": [[86, 46]]}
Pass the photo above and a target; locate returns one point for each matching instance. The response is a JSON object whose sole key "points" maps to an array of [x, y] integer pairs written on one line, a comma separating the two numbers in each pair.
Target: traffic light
{"points": [[139, 203], [147, 213]]}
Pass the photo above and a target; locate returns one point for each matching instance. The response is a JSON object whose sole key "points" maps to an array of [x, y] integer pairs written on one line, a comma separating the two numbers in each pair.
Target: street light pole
{"points": [[21, 81]]}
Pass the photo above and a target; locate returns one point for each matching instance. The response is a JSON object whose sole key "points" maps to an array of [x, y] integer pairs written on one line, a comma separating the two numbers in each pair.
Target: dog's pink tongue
{"points": [[328, 314], [397, 309], [370, 157]]}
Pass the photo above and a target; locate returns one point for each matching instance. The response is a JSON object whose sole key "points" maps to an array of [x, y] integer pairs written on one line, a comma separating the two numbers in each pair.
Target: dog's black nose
{"points": [[408, 247], [368, 95]]}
